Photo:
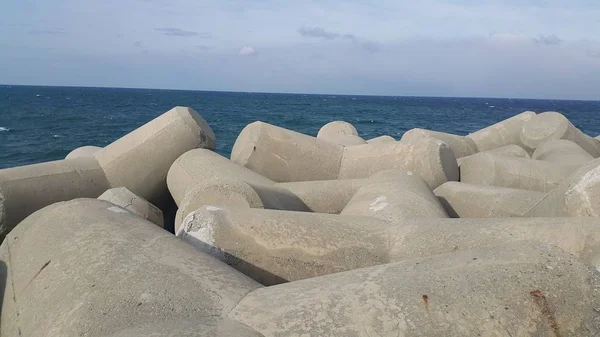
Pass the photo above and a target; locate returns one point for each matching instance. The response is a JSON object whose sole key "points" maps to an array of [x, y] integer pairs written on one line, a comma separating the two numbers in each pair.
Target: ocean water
{"points": [[39, 124]]}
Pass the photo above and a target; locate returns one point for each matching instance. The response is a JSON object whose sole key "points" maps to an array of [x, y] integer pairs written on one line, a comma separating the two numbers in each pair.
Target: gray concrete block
{"points": [[278, 246], [84, 151], [285, 156], [201, 166], [576, 196], [331, 196], [516, 290], [462, 200], [344, 140], [503, 133], [513, 172], [141, 159], [508, 150], [238, 193], [563, 153], [89, 268], [461, 146], [274, 246], [431, 159], [26, 189], [381, 139], [337, 128], [552, 125], [405, 197], [124, 198]]}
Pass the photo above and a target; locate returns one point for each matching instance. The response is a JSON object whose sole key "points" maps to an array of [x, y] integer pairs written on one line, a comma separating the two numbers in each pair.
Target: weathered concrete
{"points": [[461, 145], [405, 197], [124, 198], [26, 189], [384, 139], [285, 156], [89, 268], [337, 128], [141, 159], [84, 151], [552, 125], [508, 150], [578, 195], [432, 159], [277, 246], [274, 246], [463, 200], [515, 290], [513, 172], [502, 133], [563, 153], [331, 196], [344, 140], [238, 193], [326, 196], [201, 166]]}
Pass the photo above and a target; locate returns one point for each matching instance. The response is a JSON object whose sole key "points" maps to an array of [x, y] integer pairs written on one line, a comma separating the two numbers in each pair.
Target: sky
{"points": [[466, 48]]}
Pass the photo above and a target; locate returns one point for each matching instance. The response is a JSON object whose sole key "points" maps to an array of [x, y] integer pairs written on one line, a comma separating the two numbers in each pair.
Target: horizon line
{"points": [[294, 93]]}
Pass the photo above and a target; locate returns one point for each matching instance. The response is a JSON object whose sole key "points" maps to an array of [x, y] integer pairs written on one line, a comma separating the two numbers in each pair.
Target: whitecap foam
{"points": [[4, 129]]}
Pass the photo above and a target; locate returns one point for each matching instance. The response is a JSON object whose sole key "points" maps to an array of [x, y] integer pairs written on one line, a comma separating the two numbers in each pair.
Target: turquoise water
{"points": [[39, 124]]}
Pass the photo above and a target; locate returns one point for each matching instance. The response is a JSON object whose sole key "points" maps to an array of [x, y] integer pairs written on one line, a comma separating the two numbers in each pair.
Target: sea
{"points": [[39, 124]]}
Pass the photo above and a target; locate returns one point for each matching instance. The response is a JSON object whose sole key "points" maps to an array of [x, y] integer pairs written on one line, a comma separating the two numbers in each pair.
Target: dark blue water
{"points": [[45, 123]]}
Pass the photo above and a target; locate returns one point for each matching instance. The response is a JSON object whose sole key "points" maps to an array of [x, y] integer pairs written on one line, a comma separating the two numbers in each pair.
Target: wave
{"points": [[4, 129]]}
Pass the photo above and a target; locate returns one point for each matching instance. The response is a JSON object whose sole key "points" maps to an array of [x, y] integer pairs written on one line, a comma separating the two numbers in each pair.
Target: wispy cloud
{"points": [[247, 50], [548, 40], [48, 32], [169, 31], [319, 32], [593, 53]]}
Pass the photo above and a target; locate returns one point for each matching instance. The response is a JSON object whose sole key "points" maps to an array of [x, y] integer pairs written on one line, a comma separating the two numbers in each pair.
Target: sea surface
{"points": [[39, 124]]}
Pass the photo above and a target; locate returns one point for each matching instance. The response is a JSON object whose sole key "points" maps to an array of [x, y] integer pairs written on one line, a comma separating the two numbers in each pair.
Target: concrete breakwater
{"points": [[496, 233]]}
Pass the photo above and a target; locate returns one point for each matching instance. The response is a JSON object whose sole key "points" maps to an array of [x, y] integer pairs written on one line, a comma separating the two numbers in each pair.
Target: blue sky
{"points": [[493, 48]]}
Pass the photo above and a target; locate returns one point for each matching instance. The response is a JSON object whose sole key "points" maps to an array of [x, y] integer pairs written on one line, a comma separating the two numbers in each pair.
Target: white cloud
{"points": [[247, 50]]}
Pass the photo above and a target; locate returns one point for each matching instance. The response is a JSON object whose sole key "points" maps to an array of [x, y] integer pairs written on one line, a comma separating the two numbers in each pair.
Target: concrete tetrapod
{"points": [[141, 159], [514, 290], [345, 140], [88, 268], [341, 133], [84, 151], [508, 150], [461, 146], [238, 194], [283, 155], [405, 197], [462, 200], [201, 166], [552, 125], [331, 196], [202, 177], [578, 195], [430, 158], [503, 133], [274, 246], [277, 246], [337, 128], [563, 153], [26, 189], [124, 198], [513, 172], [382, 139]]}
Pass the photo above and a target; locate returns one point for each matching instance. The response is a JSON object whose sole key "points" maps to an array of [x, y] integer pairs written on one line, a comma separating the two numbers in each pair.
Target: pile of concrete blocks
{"points": [[496, 233]]}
